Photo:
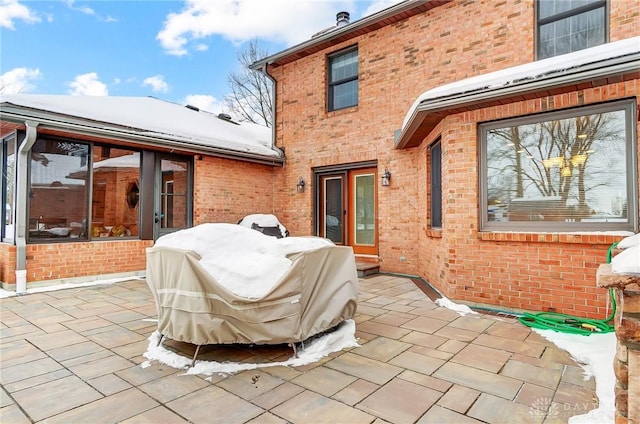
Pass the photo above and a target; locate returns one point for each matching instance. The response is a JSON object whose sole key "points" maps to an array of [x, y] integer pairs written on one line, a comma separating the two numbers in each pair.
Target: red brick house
{"points": [[90, 182], [488, 147], [440, 139]]}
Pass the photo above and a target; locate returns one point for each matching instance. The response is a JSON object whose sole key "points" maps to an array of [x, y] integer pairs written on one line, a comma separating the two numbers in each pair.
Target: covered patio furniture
{"points": [[318, 292]]}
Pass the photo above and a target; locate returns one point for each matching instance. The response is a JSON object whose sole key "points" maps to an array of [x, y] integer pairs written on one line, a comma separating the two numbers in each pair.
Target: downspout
{"points": [[21, 205], [273, 122], [273, 108]]}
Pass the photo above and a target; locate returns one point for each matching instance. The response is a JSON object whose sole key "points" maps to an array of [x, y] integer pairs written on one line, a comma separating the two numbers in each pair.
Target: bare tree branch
{"points": [[250, 91]]}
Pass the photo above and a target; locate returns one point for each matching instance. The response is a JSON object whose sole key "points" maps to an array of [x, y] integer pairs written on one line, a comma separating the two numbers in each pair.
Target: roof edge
{"points": [[13, 114], [343, 31], [608, 68]]}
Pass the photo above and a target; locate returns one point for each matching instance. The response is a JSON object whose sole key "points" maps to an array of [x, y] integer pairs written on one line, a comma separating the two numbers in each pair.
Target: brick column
{"points": [[627, 325]]}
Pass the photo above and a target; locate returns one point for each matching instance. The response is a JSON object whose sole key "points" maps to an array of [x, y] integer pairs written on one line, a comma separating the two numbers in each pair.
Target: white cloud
{"points": [[378, 5], [11, 10], [204, 102], [82, 9], [88, 85], [288, 21], [201, 47], [18, 80], [157, 83]]}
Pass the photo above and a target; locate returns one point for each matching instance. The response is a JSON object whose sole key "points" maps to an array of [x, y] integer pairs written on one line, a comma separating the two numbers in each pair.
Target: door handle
{"points": [[157, 216]]}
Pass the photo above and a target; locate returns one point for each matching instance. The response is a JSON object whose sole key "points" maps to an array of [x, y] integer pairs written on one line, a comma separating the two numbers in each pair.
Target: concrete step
{"points": [[366, 268]]}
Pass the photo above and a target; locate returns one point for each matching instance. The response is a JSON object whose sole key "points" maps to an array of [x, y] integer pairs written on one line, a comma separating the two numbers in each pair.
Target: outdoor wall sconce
{"points": [[300, 185], [386, 177]]}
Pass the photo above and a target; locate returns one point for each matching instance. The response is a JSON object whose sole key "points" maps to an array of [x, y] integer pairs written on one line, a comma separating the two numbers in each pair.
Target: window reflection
{"points": [[174, 194], [568, 171], [116, 177], [57, 199]]}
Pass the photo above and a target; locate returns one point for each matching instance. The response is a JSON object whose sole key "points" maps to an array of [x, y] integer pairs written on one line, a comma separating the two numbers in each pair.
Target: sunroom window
{"points": [[57, 198], [114, 198], [61, 173], [563, 171]]}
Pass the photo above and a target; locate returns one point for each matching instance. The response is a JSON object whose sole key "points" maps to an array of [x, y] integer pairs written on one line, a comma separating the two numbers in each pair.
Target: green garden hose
{"points": [[571, 324]]}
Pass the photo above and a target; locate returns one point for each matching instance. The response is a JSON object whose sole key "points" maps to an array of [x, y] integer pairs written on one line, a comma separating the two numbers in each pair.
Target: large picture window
{"points": [[566, 26], [343, 80], [564, 171]]}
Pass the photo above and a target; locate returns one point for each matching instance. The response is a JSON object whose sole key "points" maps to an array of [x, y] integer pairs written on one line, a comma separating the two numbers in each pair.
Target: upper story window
{"points": [[343, 79], [566, 26], [571, 170]]}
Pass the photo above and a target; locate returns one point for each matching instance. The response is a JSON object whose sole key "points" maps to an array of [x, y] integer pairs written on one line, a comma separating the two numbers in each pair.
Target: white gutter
{"points": [[591, 72], [382, 15], [22, 162]]}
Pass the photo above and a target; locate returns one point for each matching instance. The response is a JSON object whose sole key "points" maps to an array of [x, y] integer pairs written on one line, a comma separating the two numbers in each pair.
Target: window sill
{"points": [[434, 233], [577, 238], [343, 111]]}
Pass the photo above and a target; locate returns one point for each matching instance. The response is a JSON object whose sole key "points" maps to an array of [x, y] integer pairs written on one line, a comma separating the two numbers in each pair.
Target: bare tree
{"points": [[250, 96]]}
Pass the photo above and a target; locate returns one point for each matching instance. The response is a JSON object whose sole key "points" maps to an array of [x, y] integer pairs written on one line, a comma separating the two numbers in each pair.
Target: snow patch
{"points": [[342, 338], [595, 354]]}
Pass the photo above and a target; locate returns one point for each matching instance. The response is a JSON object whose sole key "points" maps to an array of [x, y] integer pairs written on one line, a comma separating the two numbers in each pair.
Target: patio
{"points": [[73, 356]]}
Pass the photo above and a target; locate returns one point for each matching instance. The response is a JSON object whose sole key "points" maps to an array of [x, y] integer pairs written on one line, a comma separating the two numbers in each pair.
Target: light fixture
{"points": [[386, 177], [300, 185]]}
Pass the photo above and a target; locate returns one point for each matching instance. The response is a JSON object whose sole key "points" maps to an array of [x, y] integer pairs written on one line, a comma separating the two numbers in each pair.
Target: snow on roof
{"points": [[529, 71], [150, 117]]}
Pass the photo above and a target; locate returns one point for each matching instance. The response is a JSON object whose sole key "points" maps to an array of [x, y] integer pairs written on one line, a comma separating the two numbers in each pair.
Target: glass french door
{"points": [[347, 209], [173, 194]]}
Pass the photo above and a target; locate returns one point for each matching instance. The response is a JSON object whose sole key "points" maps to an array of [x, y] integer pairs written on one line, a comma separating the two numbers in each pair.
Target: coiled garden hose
{"points": [[571, 324]]}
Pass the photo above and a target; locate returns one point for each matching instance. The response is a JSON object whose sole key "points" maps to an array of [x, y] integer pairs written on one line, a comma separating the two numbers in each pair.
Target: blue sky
{"points": [[180, 51]]}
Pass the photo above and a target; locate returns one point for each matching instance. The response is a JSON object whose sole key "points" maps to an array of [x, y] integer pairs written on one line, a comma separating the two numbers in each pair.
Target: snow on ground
{"points": [[459, 308], [595, 354], [341, 338], [7, 293]]}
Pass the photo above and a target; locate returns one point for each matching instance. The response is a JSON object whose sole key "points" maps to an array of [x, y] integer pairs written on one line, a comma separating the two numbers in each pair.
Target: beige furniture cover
{"points": [[318, 292]]}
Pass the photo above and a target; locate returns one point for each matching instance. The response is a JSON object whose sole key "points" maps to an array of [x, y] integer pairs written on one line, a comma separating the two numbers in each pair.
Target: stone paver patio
{"points": [[73, 356]]}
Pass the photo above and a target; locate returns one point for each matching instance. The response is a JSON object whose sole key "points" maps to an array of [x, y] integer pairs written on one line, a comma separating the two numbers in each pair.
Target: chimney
{"points": [[342, 19]]}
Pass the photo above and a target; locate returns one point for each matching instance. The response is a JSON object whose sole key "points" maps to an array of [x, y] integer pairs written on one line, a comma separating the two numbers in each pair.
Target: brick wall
{"points": [[55, 261], [535, 271], [227, 190], [7, 263], [398, 63]]}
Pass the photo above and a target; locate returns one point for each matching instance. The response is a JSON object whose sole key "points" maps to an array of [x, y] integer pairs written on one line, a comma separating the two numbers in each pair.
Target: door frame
{"points": [[348, 171], [159, 184]]}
